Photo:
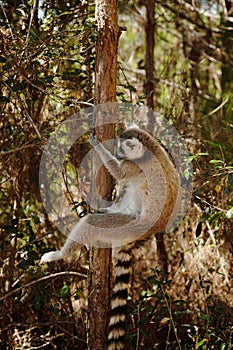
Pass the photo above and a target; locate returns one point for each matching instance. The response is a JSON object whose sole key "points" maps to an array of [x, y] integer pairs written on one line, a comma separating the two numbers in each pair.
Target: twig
{"points": [[18, 149], [7, 21], [168, 305], [212, 237], [212, 206], [30, 22], [42, 279], [216, 109], [52, 95]]}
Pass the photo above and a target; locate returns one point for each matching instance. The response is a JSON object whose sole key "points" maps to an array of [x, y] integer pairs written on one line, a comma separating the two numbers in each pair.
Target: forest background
{"points": [[182, 286]]}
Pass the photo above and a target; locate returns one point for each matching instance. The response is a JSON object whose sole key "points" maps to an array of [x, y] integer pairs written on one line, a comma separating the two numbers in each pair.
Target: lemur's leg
{"points": [[68, 247]]}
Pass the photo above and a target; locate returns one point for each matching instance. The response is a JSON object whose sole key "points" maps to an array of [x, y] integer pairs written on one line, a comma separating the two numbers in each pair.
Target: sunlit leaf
{"points": [[64, 292], [216, 161]]}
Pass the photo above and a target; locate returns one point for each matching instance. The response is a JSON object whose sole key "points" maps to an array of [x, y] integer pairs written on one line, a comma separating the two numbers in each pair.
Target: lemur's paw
{"points": [[93, 140], [51, 256]]}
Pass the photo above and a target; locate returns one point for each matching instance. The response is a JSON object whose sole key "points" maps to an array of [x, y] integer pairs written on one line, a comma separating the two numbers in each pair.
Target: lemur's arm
{"points": [[110, 162]]}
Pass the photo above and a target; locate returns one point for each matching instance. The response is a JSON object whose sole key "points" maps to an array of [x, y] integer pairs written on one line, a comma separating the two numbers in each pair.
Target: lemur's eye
{"points": [[130, 144]]}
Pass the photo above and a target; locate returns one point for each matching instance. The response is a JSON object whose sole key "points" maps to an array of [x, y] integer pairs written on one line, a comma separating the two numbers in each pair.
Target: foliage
{"points": [[47, 67], [160, 322], [46, 63]]}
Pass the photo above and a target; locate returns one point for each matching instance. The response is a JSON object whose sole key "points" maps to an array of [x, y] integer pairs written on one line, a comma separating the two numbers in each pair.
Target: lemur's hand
{"points": [[93, 140]]}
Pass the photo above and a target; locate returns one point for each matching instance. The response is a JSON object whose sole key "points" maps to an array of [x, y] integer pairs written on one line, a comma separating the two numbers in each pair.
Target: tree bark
{"points": [[105, 92], [150, 45], [227, 69], [106, 51], [150, 101]]}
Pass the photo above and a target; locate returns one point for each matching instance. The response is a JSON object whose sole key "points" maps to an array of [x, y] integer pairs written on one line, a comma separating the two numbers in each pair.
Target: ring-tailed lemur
{"points": [[151, 187]]}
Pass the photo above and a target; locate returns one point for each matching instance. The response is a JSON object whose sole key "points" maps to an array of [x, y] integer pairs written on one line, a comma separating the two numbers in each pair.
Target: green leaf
{"points": [[216, 161], [34, 33], [64, 292], [186, 174], [66, 13], [230, 179], [36, 219], [131, 88], [190, 158], [200, 343], [202, 154], [214, 144]]}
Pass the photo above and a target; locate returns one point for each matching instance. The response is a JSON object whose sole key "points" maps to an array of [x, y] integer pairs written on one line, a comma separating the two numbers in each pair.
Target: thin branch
{"points": [[182, 15], [30, 22], [212, 206], [42, 279], [52, 95], [18, 149], [7, 21], [222, 3], [31, 121], [216, 109], [222, 263]]}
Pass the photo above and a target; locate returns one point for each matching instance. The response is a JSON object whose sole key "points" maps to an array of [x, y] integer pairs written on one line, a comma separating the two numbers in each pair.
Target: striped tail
{"points": [[119, 298]]}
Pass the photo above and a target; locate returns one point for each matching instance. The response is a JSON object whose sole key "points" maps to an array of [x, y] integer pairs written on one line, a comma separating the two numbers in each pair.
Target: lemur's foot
{"points": [[51, 256]]}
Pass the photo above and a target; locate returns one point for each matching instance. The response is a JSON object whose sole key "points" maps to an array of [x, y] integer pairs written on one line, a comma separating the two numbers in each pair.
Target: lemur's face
{"points": [[131, 149]]}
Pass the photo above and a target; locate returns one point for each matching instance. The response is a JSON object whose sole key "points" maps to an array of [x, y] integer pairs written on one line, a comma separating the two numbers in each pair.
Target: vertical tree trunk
{"points": [[105, 91], [227, 68], [150, 101], [150, 45], [106, 51]]}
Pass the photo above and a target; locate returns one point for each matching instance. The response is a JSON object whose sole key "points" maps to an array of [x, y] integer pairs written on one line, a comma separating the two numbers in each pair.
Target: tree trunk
{"points": [[150, 45], [150, 101], [227, 69], [105, 91]]}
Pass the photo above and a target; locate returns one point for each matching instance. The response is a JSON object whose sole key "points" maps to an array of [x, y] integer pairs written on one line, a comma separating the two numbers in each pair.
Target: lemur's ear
{"points": [[135, 140], [140, 146], [132, 141]]}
